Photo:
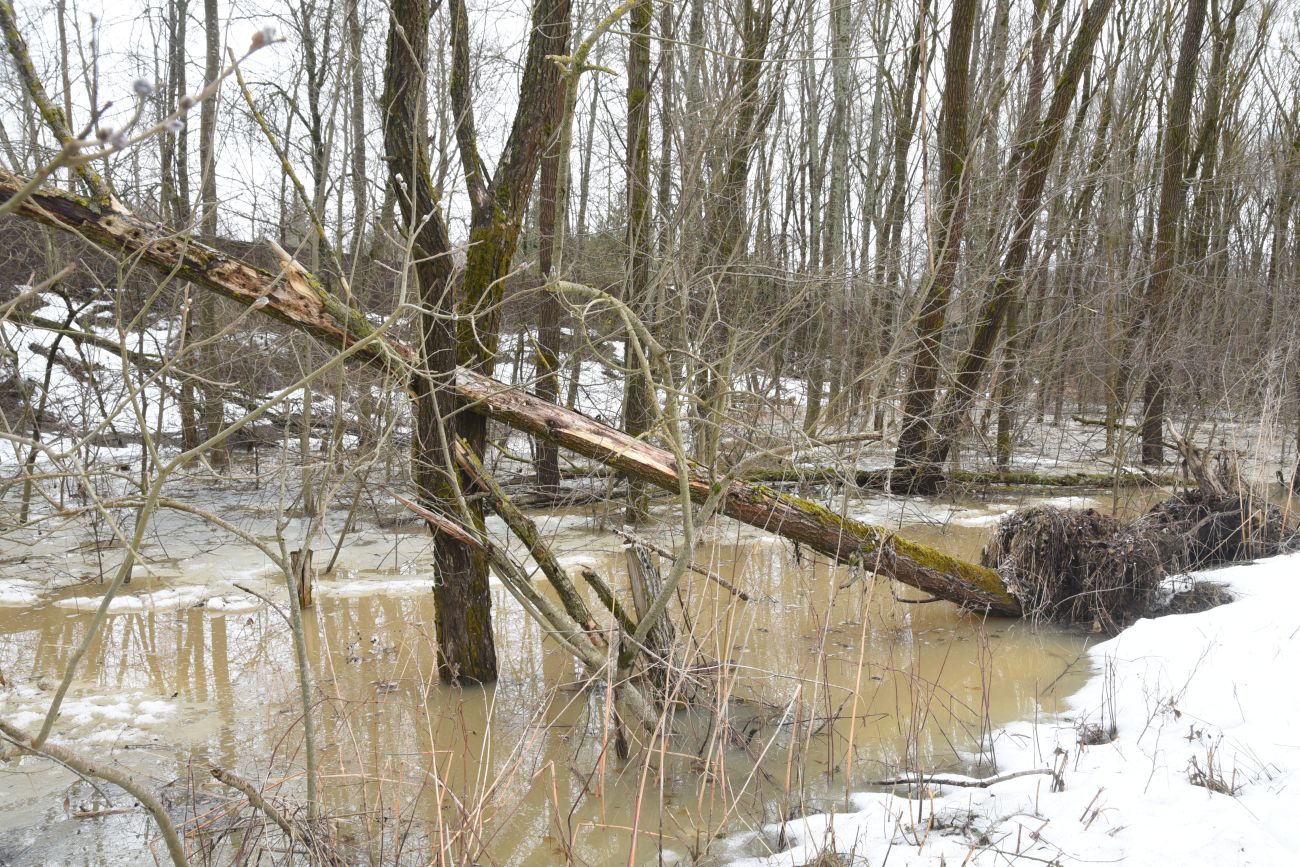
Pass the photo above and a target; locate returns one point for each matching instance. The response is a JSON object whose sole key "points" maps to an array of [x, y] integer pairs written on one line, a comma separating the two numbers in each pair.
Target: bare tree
{"points": [[1162, 282], [462, 329], [945, 249]]}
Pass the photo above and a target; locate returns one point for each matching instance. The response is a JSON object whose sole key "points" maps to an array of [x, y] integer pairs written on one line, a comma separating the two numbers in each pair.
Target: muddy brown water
{"points": [[820, 684]]}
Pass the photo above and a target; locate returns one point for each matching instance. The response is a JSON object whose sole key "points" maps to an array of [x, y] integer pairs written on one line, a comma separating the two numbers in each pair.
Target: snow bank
{"points": [[233, 604], [1206, 697]]}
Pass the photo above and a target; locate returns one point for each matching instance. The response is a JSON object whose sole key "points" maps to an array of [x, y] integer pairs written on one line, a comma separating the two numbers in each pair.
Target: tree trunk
{"points": [[646, 584], [550, 214], [1033, 159], [205, 318], [175, 204], [889, 260], [667, 87], [462, 599], [1160, 285], [637, 411], [357, 120], [945, 249], [726, 227]]}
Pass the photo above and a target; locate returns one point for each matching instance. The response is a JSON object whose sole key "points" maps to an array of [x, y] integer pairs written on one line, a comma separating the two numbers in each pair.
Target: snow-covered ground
{"points": [[69, 400], [1203, 768]]}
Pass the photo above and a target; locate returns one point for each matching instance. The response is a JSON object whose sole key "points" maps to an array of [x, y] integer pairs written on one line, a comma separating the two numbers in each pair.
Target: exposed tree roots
{"points": [[1086, 567]]}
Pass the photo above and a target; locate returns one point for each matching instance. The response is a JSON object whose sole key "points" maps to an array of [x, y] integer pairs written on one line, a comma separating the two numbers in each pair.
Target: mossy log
{"points": [[1022, 478], [795, 518], [1101, 422], [879, 479], [295, 297]]}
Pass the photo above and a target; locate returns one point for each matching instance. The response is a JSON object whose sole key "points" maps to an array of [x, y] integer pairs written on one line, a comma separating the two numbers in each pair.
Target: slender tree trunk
{"points": [[637, 412], [1004, 393], [214, 415], [357, 119], [726, 220], [889, 262], [553, 207], [314, 71], [548, 310], [834, 258], [175, 205], [945, 248], [818, 331], [584, 179], [65, 69], [1161, 285], [1033, 159]]}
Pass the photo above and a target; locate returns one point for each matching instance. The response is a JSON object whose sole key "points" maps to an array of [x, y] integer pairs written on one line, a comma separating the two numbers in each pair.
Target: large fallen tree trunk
{"points": [[295, 297], [799, 520]]}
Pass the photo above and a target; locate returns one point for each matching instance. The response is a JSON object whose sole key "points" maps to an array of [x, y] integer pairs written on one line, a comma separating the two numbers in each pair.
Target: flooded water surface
{"points": [[821, 683]]}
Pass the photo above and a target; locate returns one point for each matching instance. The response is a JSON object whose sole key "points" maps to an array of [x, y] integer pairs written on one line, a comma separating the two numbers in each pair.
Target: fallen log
{"points": [[878, 479], [292, 296], [295, 297], [1101, 422], [1125, 478], [799, 520]]}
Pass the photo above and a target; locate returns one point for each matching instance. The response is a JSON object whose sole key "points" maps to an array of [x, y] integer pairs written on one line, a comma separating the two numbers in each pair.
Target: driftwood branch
{"points": [[524, 528], [437, 523], [255, 799], [957, 780], [608, 599]]}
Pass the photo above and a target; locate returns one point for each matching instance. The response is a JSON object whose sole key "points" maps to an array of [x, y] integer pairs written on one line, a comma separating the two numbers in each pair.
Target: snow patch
{"points": [[118, 718], [233, 604], [141, 600], [363, 587], [1069, 502], [1203, 766], [19, 592], [575, 563]]}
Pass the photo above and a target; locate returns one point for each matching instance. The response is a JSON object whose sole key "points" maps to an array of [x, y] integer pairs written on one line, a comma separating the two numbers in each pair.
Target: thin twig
{"points": [[255, 799]]}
